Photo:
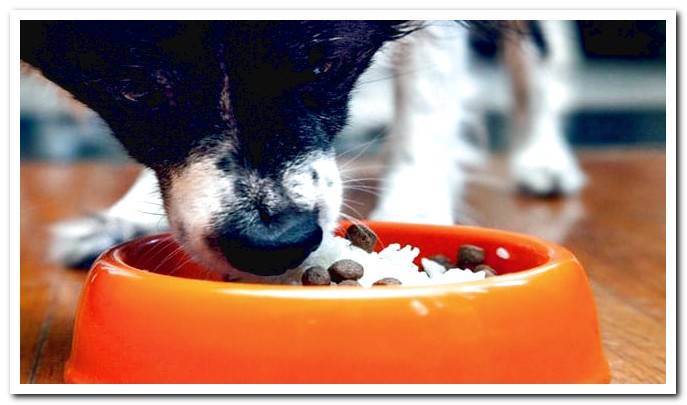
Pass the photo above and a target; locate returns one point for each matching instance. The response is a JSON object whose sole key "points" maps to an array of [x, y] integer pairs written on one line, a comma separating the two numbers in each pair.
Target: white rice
{"points": [[393, 261]]}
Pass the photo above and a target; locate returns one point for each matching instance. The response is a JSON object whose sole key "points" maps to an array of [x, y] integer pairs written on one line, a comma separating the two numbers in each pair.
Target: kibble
{"points": [[442, 260], [362, 237], [470, 256], [488, 270], [387, 281], [345, 269], [351, 283], [316, 275]]}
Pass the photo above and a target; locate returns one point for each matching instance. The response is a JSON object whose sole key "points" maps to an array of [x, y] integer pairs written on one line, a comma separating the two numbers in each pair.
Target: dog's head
{"points": [[236, 118]]}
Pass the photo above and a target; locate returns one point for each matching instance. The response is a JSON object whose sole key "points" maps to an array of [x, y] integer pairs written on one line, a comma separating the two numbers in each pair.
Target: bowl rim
{"points": [[112, 261]]}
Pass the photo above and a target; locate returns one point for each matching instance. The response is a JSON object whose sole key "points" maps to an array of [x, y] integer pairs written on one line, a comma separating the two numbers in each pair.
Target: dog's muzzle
{"points": [[269, 247]]}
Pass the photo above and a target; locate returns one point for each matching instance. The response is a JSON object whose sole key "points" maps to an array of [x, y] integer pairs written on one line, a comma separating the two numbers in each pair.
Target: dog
{"points": [[235, 123]]}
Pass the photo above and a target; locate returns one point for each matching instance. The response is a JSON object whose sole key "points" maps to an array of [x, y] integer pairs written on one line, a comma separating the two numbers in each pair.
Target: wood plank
{"points": [[48, 294]]}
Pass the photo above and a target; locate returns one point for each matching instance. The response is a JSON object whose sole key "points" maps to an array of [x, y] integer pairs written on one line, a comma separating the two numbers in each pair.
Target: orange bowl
{"points": [[149, 315]]}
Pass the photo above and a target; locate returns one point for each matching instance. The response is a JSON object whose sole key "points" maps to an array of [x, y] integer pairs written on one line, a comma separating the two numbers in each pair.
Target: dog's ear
{"points": [[129, 72], [108, 64]]}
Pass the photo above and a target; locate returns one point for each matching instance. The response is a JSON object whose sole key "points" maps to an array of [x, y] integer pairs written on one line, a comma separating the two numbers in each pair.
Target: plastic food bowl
{"points": [[149, 315]]}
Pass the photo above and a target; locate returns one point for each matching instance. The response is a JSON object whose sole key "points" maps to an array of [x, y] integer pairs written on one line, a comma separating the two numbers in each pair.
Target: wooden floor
{"points": [[616, 228]]}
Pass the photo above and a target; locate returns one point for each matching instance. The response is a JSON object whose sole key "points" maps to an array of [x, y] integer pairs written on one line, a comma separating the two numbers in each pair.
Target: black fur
{"points": [[157, 84]]}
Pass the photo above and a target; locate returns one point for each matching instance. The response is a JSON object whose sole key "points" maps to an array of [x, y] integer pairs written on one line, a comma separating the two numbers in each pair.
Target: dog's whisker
{"points": [[354, 210], [354, 187], [345, 164], [364, 167], [373, 193], [355, 173], [371, 180], [158, 248], [176, 252], [353, 201], [398, 74], [363, 185], [366, 183], [157, 204], [351, 218], [355, 148], [184, 263], [151, 213], [361, 179], [161, 248]]}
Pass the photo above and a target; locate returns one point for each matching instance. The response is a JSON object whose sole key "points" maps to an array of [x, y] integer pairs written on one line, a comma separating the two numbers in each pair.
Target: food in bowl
{"points": [[352, 261]]}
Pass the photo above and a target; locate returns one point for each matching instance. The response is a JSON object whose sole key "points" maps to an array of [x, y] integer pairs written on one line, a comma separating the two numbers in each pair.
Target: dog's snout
{"points": [[269, 247]]}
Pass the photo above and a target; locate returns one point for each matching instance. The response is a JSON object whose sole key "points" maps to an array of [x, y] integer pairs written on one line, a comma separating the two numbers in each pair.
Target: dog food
{"points": [[316, 275], [470, 256], [387, 281], [442, 260], [345, 269], [362, 237], [488, 271], [349, 259], [350, 283]]}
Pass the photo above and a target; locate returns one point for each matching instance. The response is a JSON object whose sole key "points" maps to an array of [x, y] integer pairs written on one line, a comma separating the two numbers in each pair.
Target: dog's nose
{"points": [[270, 248]]}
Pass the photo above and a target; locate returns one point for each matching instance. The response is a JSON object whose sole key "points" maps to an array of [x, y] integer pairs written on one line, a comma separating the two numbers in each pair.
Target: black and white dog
{"points": [[235, 122]]}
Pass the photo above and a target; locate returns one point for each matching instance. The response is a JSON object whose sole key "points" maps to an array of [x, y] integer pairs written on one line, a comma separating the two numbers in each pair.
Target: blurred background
{"points": [[617, 81]]}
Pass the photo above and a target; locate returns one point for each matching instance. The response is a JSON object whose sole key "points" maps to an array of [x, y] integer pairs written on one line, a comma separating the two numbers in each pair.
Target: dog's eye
{"points": [[142, 91], [323, 68], [133, 95], [132, 92], [317, 57]]}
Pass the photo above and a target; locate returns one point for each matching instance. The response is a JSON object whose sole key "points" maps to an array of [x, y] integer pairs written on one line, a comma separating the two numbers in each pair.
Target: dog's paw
{"points": [[417, 194], [404, 206], [77, 243], [547, 172]]}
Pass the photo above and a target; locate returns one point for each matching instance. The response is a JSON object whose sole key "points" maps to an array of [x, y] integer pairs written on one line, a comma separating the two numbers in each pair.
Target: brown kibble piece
{"points": [[351, 283], [316, 275], [362, 237], [387, 281], [442, 260], [490, 272], [345, 269], [469, 256]]}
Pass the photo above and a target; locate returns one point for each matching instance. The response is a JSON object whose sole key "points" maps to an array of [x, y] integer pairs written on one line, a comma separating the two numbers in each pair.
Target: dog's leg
{"points": [[78, 242], [541, 160], [424, 144]]}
